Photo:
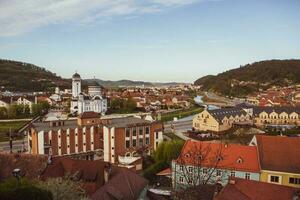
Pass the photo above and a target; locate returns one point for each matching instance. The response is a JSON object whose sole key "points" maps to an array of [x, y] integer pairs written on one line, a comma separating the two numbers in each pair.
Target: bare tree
{"points": [[198, 169]]}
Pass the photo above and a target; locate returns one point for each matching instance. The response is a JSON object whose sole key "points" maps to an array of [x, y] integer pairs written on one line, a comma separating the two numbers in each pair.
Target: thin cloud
{"points": [[21, 16]]}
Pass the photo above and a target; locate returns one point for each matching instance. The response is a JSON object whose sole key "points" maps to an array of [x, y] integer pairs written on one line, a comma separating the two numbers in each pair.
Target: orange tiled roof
{"points": [[230, 156], [278, 153]]}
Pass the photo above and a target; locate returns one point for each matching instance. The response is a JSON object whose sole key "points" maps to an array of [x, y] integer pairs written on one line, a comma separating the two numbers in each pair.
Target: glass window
{"points": [[232, 174], [204, 171], [294, 181], [274, 179], [147, 130], [181, 168], [247, 176], [218, 172], [127, 132], [191, 169], [134, 131], [127, 143], [141, 130], [147, 141], [181, 179], [134, 142], [141, 142]]}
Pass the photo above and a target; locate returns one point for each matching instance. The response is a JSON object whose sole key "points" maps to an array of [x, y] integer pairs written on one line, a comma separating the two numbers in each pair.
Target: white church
{"points": [[93, 101]]}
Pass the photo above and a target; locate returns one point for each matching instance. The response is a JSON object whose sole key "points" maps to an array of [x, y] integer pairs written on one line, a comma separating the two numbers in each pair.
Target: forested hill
{"points": [[249, 78], [20, 76]]}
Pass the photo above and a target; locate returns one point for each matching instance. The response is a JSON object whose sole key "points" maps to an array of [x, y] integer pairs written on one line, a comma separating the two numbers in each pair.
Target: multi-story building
{"points": [[211, 163], [221, 119], [126, 139], [93, 101], [117, 140], [276, 116], [279, 159]]}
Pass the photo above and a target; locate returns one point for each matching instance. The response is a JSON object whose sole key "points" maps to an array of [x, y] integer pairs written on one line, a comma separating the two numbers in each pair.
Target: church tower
{"points": [[76, 85]]}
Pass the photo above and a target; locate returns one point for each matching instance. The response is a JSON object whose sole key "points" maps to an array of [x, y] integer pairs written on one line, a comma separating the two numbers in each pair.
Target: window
{"points": [[232, 174], [191, 169], [141, 130], [127, 132], [92, 142], [141, 142], [147, 130], [218, 172], [181, 168], [134, 143], [134, 131], [181, 179], [274, 179], [156, 135], [127, 144], [294, 181], [147, 141], [204, 171], [247, 176]]}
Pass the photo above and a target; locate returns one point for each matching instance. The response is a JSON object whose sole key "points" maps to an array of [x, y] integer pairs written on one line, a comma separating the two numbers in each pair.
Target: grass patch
{"points": [[5, 128], [181, 114]]}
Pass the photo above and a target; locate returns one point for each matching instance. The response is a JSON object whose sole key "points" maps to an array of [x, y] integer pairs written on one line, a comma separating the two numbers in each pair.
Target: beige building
{"points": [[276, 116], [221, 119]]}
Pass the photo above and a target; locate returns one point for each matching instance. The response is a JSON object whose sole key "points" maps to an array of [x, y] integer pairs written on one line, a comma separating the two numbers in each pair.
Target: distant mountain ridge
{"points": [[26, 77], [249, 78]]}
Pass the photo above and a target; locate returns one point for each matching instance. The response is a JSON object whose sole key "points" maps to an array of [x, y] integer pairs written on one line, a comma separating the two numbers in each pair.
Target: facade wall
{"points": [[205, 122], [283, 178], [181, 175], [274, 118]]}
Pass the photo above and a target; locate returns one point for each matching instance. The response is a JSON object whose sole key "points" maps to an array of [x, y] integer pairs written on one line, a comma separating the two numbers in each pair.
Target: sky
{"points": [[150, 40]]}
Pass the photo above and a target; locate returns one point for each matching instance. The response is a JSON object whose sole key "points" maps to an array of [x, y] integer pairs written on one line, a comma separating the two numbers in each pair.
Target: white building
{"points": [[93, 101]]}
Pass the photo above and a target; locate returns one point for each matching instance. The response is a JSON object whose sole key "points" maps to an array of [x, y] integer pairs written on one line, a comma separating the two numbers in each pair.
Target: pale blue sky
{"points": [[152, 40]]}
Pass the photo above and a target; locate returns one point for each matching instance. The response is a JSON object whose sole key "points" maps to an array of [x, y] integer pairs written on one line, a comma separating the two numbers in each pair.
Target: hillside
{"points": [[249, 78], [130, 83], [24, 77]]}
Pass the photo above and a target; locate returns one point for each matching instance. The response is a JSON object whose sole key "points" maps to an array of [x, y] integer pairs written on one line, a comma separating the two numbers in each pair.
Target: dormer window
{"points": [[240, 160], [187, 155], [219, 158], [199, 157]]}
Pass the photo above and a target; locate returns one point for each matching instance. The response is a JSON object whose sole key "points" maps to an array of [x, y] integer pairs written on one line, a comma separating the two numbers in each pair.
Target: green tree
{"points": [[3, 113], [10, 189]]}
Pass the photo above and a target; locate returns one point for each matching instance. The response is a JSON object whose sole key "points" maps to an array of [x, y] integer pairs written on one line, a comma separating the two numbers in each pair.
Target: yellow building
{"points": [[220, 119], [279, 159], [276, 116]]}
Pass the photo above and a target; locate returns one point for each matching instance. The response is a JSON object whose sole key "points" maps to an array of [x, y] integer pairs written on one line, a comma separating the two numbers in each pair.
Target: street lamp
{"points": [[17, 174]]}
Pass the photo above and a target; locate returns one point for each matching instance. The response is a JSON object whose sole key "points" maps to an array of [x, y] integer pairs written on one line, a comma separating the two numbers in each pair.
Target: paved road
{"points": [[180, 127], [17, 145]]}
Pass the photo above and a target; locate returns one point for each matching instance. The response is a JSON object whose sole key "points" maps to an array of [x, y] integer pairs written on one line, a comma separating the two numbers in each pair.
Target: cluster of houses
{"points": [[224, 119], [287, 96], [265, 162], [154, 98]]}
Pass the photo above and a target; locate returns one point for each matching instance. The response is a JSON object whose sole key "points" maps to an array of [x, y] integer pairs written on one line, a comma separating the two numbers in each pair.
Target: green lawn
{"points": [[180, 114], [6, 126]]}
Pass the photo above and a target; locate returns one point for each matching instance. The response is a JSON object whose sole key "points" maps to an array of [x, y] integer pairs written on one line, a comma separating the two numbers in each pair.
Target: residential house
{"points": [[279, 159], [27, 100], [221, 119], [5, 102], [211, 163], [276, 116]]}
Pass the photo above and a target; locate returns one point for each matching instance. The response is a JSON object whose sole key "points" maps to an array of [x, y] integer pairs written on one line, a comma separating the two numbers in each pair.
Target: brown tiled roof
{"points": [[243, 189], [123, 184], [88, 115], [90, 173], [277, 153], [31, 166]]}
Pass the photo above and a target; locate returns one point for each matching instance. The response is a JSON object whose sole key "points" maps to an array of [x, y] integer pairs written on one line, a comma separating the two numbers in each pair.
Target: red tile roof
{"points": [[243, 189], [223, 156], [88, 115], [165, 172], [278, 153]]}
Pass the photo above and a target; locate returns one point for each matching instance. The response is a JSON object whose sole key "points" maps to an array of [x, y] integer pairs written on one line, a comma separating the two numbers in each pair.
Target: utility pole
{"points": [[10, 140]]}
